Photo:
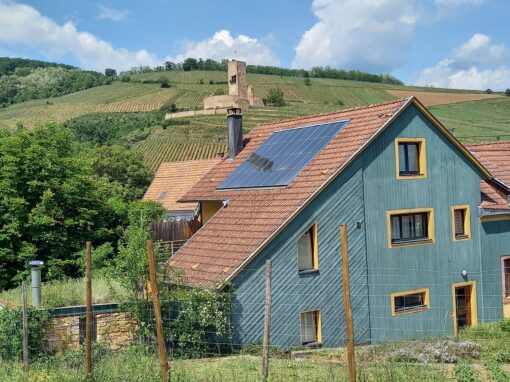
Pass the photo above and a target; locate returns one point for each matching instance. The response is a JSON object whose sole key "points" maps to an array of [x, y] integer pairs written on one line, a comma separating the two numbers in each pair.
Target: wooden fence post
{"points": [[25, 326], [88, 308], [163, 359], [347, 304], [267, 323]]}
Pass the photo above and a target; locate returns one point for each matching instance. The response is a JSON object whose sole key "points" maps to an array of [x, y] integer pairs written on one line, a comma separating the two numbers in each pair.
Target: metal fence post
{"points": [[347, 304], [267, 323]]}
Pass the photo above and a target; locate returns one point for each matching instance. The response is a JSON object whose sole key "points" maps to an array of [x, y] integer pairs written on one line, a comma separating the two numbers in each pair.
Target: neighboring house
{"points": [[428, 225], [172, 180]]}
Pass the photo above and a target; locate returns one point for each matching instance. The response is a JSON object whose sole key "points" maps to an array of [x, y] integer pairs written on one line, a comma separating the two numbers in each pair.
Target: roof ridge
{"points": [[306, 117]]}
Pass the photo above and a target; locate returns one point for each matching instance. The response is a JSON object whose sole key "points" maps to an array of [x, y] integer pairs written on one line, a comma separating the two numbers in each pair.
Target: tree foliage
{"points": [[56, 195], [275, 97], [27, 83], [191, 64]]}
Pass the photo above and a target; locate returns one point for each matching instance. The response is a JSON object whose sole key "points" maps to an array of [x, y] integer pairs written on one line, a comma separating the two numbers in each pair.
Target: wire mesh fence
{"points": [[409, 324]]}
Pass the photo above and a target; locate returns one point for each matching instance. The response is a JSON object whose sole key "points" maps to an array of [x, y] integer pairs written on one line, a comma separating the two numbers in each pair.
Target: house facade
{"points": [[428, 227]]}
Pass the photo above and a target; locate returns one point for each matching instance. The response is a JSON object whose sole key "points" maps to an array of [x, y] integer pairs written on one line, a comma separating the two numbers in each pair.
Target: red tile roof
{"points": [[237, 232], [495, 156], [172, 180]]}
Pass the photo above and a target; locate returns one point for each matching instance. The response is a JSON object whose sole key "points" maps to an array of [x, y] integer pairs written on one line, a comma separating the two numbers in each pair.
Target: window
{"points": [[506, 278], [233, 79], [82, 329], [461, 223], [410, 157], [307, 250], [410, 227], [311, 331], [409, 301]]}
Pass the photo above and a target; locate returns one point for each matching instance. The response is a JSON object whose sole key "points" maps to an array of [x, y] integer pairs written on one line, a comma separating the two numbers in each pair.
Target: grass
{"points": [[475, 121], [68, 292]]}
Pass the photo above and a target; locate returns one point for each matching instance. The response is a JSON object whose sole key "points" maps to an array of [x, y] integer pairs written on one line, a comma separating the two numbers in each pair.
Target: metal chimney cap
{"points": [[36, 263], [234, 111]]}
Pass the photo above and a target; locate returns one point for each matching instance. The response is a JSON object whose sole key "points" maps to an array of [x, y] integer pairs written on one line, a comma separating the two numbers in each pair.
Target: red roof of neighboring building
{"points": [[173, 179], [237, 233], [495, 156]]}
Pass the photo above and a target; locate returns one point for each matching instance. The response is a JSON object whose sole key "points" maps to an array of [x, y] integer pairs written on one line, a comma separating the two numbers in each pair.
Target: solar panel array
{"points": [[282, 156]]}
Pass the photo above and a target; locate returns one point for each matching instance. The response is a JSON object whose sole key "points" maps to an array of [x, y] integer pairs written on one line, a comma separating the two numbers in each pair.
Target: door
{"points": [[464, 305]]}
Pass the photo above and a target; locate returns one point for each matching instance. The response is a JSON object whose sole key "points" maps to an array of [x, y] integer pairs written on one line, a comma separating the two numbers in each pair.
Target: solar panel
{"points": [[282, 156]]}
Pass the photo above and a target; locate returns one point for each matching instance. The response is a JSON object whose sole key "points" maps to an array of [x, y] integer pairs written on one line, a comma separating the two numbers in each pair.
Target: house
{"points": [[428, 223], [171, 182]]}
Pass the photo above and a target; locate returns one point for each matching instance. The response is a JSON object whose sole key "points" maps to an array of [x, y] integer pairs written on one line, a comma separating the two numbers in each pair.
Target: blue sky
{"points": [[450, 43]]}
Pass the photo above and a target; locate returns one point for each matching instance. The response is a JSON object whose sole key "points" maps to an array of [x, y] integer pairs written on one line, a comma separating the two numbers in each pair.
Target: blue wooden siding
{"points": [[364, 192], [494, 245], [451, 180], [341, 202]]}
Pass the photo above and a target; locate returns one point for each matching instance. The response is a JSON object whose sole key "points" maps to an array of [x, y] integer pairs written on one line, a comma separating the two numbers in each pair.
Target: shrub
{"points": [[201, 81], [464, 372], [219, 91], [507, 92], [11, 332], [308, 82], [125, 78], [275, 97], [489, 91], [164, 82]]}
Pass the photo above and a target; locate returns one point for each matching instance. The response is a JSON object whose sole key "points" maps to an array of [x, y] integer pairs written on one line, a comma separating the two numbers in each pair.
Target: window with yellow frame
{"points": [[311, 327], [410, 158], [307, 250], [410, 301], [461, 223], [410, 227]]}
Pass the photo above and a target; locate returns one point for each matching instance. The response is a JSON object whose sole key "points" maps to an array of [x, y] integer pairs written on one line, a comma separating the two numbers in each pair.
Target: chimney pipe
{"points": [[36, 266], [235, 131]]}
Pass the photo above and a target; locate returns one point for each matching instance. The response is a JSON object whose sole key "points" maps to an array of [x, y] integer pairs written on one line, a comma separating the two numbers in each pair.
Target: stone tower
{"points": [[237, 81]]}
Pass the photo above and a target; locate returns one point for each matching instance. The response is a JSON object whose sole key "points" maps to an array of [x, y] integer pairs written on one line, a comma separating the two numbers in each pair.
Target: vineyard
{"points": [[201, 137], [156, 151]]}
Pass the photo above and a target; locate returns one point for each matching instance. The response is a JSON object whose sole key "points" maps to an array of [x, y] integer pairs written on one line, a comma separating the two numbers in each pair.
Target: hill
{"points": [[141, 100]]}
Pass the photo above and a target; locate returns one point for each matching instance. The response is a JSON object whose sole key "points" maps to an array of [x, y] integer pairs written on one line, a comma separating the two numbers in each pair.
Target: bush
{"points": [[507, 92], [219, 91], [11, 333], [125, 78], [308, 82], [164, 82], [275, 97], [489, 91]]}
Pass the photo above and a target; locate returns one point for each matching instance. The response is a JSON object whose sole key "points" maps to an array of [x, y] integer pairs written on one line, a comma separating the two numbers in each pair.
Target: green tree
{"points": [[190, 64], [124, 170], [507, 92], [275, 97], [110, 72], [52, 203], [164, 82]]}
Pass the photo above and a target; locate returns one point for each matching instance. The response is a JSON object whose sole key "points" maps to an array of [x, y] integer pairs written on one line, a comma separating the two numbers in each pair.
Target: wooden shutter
{"points": [[459, 222]]}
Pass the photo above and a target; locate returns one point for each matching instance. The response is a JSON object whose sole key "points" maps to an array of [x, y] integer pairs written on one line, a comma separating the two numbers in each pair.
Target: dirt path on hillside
{"points": [[438, 98]]}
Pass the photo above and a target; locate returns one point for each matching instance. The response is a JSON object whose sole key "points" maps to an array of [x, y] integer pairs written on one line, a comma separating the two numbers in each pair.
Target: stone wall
{"points": [[115, 330]]}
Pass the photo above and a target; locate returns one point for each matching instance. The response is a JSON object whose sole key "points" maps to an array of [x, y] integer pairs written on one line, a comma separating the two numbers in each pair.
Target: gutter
{"points": [[485, 212]]}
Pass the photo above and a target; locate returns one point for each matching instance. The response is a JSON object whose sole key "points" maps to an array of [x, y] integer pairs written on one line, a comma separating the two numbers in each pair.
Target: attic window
{"points": [[308, 259], [233, 79], [410, 158]]}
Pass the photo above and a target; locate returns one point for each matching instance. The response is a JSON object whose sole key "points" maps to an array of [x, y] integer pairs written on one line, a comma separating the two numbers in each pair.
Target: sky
{"points": [[442, 43]]}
